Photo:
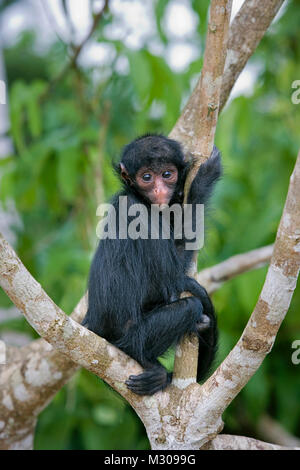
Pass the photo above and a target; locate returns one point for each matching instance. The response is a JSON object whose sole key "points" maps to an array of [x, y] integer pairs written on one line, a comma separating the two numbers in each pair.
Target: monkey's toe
{"points": [[149, 382], [204, 324]]}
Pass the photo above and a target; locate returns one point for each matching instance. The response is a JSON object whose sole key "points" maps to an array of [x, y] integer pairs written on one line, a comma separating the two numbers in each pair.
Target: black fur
{"points": [[135, 285]]}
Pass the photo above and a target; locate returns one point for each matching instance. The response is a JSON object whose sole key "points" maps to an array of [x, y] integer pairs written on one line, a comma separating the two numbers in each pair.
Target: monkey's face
{"points": [[157, 184]]}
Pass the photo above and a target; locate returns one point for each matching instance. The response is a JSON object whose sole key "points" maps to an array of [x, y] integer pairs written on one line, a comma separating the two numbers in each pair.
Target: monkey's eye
{"points": [[147, 177], [166, 174]]}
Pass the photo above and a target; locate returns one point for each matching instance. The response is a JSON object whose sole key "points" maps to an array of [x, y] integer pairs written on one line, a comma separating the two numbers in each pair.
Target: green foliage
{"points": [[25, 112], [89, 415], [160, 10], [66, 133], [6, 3], [201, 8]]}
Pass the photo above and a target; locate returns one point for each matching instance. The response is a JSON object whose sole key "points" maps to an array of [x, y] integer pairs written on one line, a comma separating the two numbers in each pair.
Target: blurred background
{"points": [[63, 122]]}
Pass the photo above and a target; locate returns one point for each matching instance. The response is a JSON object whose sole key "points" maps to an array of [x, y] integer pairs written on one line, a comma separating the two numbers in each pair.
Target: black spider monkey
{"points": [[135, 285]]}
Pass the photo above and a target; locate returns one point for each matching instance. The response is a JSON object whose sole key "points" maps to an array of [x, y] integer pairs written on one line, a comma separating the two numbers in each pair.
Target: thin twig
{"points": [[96, 21], [77, 50], [52, 21], [212, 278]]}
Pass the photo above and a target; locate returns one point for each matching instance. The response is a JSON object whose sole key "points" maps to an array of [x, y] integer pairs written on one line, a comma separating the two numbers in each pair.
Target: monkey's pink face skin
{"points": [[157, 186]]}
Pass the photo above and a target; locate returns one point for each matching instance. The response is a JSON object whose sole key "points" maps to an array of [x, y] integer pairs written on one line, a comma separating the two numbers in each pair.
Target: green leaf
{"points": [[68, 172], [201, 8], [18, 98], [160, 8], [105, 415], [141, 73], [35, 91], [257, 394]]}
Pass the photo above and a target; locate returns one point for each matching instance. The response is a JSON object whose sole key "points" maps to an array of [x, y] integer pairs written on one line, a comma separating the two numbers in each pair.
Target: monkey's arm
{"points": [[208, 175], [201, 189]]}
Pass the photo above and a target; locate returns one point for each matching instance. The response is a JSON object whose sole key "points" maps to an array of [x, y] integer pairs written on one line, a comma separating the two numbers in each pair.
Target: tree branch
{"points": [[246, 31], [200, 144], [199, 408], [79, 344], [52, 370], [268, 428], [260, 333], [41, 371], [229, 442], [212, 278]]}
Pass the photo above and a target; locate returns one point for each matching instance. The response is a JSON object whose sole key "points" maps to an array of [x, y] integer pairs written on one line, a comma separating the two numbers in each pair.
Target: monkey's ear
{"points": [[124, 174]]}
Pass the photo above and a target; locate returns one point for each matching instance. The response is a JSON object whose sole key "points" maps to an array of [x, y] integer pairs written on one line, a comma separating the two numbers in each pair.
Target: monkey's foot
{"points": [[149, 382], [204, 324]]}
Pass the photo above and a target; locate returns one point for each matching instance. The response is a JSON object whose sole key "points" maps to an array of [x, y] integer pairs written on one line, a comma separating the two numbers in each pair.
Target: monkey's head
{"points": [[154, 167]]}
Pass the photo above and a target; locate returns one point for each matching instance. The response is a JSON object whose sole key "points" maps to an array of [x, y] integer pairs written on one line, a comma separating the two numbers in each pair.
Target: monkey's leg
{"points": [[192, 286], [208, 337], [161, 328]]}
